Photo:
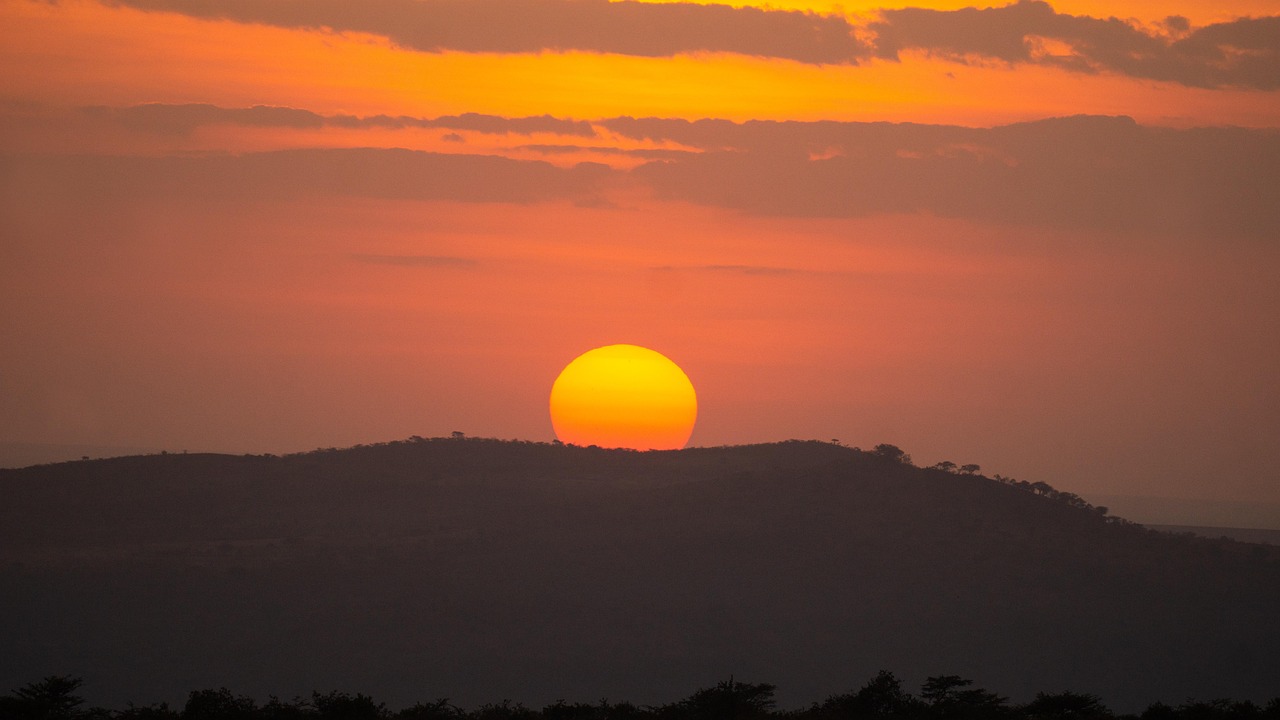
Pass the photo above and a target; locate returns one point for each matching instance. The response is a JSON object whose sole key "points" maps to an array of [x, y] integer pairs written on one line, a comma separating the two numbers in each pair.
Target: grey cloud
{"points": [[786, 138], [1243, 53], [1107, 176], [645, 153], [1093, 173], [361, 172], [1177, 24], [176, 119], [629, 28], [495, 125], [183, 119]]}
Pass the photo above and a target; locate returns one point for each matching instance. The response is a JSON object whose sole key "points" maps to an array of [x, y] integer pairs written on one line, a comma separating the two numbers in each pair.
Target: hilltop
{"points": [[478, 569]]}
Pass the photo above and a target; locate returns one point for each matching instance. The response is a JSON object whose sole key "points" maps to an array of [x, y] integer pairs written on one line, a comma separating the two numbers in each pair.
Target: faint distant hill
{"points": [[1249, 535], [481, 569]]}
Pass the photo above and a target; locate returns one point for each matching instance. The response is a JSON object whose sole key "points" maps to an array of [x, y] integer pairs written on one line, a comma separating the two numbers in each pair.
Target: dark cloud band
{"points": [[1099, 174], [527, 26], [184, 119], [1242, 53]]}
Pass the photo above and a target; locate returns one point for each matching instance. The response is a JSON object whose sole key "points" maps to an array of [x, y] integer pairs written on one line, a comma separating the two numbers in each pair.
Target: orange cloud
{"points": [[1242, 53], [80, 53], [530, 26]]}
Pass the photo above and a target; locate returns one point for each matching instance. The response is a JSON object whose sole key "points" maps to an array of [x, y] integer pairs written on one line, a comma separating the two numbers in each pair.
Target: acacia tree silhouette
{"points": [[53, 698], [948, 698], [728, 700], [881, 697]]}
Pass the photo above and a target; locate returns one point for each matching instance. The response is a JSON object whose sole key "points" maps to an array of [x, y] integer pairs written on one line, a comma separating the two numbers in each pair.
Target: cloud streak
{"points": [[1242, 53], [183, 119], [1092, 173], [1105, 175], [357, 172], [530, 26]]}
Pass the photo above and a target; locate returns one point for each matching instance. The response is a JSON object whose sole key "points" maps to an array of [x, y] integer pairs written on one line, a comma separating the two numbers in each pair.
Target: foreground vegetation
{"points": [[461, 565], [945, 697]]}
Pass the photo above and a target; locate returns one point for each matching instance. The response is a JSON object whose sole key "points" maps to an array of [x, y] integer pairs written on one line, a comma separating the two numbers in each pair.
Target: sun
{"points": [[624, 396]]}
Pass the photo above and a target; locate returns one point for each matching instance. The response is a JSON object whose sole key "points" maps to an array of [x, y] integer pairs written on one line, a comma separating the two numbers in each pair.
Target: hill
{"points": [[482, 569]]}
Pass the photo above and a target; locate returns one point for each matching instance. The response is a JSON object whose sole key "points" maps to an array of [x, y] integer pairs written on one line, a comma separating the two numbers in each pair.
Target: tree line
{"points": [[943, 697], [892, 453]]}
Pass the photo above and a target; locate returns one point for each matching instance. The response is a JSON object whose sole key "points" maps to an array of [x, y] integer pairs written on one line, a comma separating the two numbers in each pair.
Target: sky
{"points": [[1039, 237]]}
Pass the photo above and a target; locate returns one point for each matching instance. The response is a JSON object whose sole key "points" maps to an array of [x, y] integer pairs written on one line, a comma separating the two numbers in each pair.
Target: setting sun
{"points": [[624, 396]]}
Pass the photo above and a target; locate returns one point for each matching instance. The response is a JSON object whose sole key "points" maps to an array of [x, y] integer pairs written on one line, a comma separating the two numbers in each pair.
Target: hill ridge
{"points": [[555, 569]]}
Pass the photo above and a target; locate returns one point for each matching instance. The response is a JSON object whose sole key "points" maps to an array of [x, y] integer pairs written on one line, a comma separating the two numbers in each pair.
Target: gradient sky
{"points": [[1038, 237]]}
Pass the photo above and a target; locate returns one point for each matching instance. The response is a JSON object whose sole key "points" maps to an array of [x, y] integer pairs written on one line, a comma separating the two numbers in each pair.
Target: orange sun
{"points": [[624, 396]]}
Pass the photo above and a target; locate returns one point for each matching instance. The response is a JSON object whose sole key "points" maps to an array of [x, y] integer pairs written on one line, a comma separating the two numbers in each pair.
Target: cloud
{"points": [[1240, 53], [183, 119], [529, 26], [495, 125], [645, 153], [1093, 173], [1108, 176], [359, 172], [792, 138]]}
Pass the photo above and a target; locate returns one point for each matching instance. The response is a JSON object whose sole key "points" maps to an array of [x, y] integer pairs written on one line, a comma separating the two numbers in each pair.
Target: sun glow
{"points": [[624, 396]]}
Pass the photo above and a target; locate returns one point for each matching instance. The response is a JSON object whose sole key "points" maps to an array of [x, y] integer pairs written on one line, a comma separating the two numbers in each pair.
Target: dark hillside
{"points": [[481, 569]]}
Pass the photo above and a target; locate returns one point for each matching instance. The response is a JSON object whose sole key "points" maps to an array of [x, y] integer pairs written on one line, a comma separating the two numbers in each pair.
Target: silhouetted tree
{"points": [[341, 706], [53, 698], [277, 709], [146, 712], [218, 704], [970, 469], [729, 700], [949, 696], [1066, 706], [441, 709], [506, 710], [946, 466], [891, 452], [1221, 709], [881, 697], [1159, 711], [561, 710], [940, 688]]}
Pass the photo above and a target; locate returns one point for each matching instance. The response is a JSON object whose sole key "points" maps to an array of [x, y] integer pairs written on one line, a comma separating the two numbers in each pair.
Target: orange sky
{"points": [[82, 53], [212, 240]]}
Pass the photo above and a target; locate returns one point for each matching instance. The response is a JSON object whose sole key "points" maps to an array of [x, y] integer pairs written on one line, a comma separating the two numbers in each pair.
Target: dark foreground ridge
{"points": [[486, 569], [943, 697]]}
